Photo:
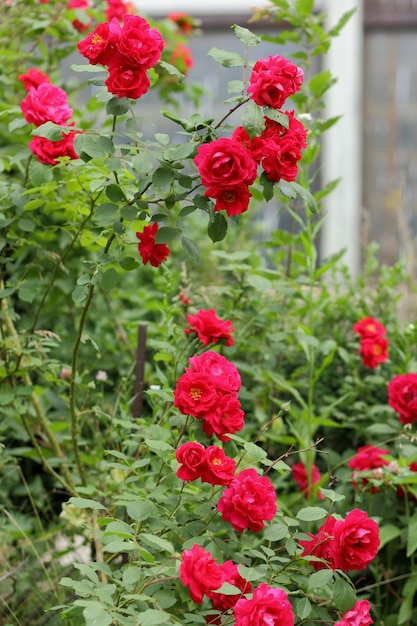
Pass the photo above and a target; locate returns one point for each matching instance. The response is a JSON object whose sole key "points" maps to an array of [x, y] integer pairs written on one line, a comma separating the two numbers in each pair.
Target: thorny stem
{"points": [[229, 113]]}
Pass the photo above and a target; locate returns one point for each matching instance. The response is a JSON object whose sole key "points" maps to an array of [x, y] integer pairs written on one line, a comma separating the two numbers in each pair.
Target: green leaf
{"points": [[109, 279], [115, 194], [228, 590], [412, 535], [387, 533], [142, 163], [253, 120], [268, 186], [117, 106], [190, 248], [318, 580], [106, 213], [304, 6], [80, 293], [96, 615], [171, 69], [26, 225], [157, 542], [50, 131], [86, 503], [277, 116], [150, 617], [165, 234], [291, 190], [332, 495], [140, 510], [407, 601], [321, 82], [87, 68], [128, 263], [303, 608], [256, 453], [344, 595], [217, 227], [311, 513], [95, 146], [162, 177], [248, 38], [178, 152], [276, 532], [118, 545], [39, 173], [225, 58]]}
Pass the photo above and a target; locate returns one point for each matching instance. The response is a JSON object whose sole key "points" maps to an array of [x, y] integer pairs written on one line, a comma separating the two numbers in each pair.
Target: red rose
{"points": [[369, 327], [320, 545], [248, 502], [358, 616], [100, 46], [127, 82], [223, 373], [218, 469], [225, 162], [234, 199], [200, 572], [33, 78], [299, 473], [268, 605], [192, 457], [118, 8], [356, 541], [184, 22], [254, 146], [154, 253], [368, 457], [139, 43], [374, 350], [402, 397], [195, 394], [210, 328], [48, 151], [282, 148], [83, 5], [46, 103], [273, 80], [222, 602], [182, 58], [226, 417]]}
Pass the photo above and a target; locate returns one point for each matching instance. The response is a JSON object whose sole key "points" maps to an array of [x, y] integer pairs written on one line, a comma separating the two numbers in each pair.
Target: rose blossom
{"points": [[118, 8], [192, 456], [373, 350], [356, 541], [195, 394], [223, 602], [248, 502], [223, 373], [210, 328], [268, 606], [273, 80], [48, 151], [83, 5], [402, 397], [299, 473], [282, 148], [234, 199], [368, 457], [319, 545], [218, 468], [139, 43], [225, 162], [127, 82], [225, 417], [100, 46], [154, 253], [369, 327], [184, 22], [358, 616], [46, 103], [33, 78], [182, 58], [200, 572]]}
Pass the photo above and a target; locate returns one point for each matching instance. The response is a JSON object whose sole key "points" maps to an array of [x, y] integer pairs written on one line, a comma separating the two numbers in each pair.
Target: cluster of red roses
{"points": [[203, 575], [374, 345], [47, 103], [349, 544], [229, 165], [127, 51]]}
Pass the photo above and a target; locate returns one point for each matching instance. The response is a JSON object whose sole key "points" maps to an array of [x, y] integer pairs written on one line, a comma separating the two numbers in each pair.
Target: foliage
{"points": [[89, 431]]}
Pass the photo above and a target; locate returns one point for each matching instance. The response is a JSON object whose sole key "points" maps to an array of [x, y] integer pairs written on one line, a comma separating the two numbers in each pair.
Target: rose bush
{"points": [[171, 465]]}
